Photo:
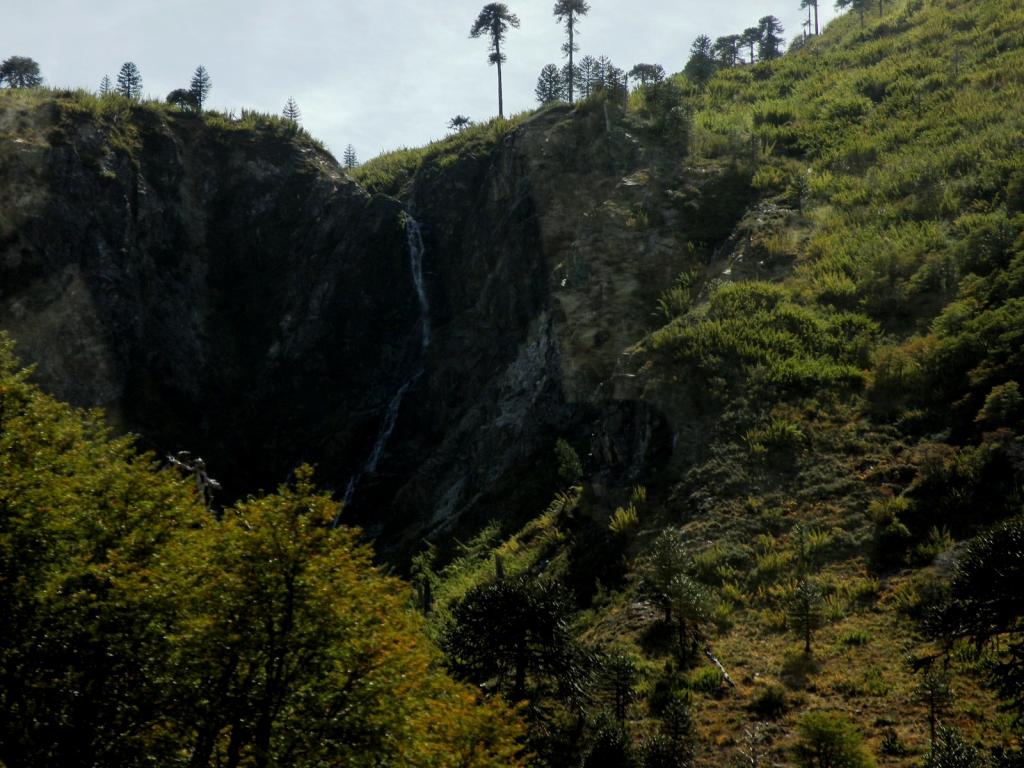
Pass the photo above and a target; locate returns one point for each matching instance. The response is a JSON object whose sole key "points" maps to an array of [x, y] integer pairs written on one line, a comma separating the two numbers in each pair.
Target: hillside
{"points": [[727, 372]]}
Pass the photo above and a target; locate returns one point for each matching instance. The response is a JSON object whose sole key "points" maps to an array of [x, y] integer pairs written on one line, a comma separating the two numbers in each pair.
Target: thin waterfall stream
{"points": [[414, 239]]}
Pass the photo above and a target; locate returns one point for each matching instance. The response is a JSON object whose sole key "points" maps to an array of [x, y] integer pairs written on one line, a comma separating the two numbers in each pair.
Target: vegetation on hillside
{"points": [[140, 629]]}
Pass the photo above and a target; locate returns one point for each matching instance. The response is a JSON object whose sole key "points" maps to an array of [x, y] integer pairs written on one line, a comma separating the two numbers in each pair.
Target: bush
{"points": [[769, 703], [829, 740]]}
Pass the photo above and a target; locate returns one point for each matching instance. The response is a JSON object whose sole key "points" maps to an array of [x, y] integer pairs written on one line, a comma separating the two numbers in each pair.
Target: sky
{"points": [[377, 74]]}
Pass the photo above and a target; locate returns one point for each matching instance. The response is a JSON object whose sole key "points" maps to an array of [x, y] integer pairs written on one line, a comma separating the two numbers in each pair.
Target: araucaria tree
{"points": [[459, 123], [200, 86], [770, 45], [20, 72], [751, 36], [701, 65], [349, 159], [129, 81], [647, 74], [568, 12], [727, 50], [106, 87], [860, 6], [805, 611], [812, 4], [291, 110], [494, 21], [549, 85]]}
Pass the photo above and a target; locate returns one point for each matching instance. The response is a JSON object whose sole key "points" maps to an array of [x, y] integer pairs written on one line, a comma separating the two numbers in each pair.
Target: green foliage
{"points": [[951, 750], [829, 740], [513, 634], [707, 680], [570, 468], [141, 630], [769, 703], [624, 521], [805, 611]]}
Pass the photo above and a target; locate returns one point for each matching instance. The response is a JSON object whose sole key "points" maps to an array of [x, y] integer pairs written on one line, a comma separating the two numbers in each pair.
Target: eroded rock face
{"points": [[232, 292]]}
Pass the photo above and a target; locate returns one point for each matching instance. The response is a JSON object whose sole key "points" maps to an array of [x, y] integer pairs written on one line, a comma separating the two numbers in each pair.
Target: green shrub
{"points": [[829, 740], [769, 703]]}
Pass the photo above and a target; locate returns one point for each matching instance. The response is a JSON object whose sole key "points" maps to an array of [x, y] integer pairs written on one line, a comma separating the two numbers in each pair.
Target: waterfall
{"points": [[414, 239]]}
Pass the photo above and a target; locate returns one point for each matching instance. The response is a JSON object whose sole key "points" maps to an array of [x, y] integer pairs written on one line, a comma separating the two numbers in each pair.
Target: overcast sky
{"points": [[377, 74]]}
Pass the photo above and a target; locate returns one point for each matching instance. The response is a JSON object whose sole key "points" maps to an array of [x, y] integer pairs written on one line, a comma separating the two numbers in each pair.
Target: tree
{"points": [[830, 741], [141, 630], [666, 559], [183, 99], [701, 65], [726, 50], [549, 85], [860, 6], [575, 72], [200, 86], [618, 678], [349, 159], [805, 611], [568, 12], [494, 20], [106, 87], [514, 632], [950, 750], [647, 74], [770, 43], [814, 4], [986, 603], [588, 75], [751, 36], [691, 608], [129, 81], [809, 4], [459, 123], [933, 691], [20, 72], [291, 111]]}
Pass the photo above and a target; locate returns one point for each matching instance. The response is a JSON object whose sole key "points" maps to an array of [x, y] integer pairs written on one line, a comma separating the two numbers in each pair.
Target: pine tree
{"points": [[106, 87], [129, 81], [549, 85], [200, 86], [568, 12], [20, 72], [769, 45], [349, 159], [291, 111], [494, 20]]}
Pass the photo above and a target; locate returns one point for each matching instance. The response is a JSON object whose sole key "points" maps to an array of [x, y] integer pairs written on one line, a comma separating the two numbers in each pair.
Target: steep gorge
{"points": [[231, 292]]}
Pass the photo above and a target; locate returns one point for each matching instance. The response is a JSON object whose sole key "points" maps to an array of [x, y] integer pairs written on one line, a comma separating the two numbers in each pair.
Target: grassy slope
{"points": [[848, 389]]}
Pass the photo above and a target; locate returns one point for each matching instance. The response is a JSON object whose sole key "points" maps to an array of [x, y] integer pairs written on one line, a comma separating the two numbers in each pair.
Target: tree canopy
{"points": [[20, 72], [140, 629], [494, 20]]}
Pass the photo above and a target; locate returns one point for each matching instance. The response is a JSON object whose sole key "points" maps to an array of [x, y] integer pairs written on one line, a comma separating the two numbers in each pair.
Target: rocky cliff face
{"points": [[232, 292]]}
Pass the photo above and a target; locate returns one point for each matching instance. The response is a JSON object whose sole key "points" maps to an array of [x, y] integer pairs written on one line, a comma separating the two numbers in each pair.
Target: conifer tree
{"points": [[577, 76], [129, 81], [726, 50], [20, 72], [568, 12], [860, 6], [200, 86], [701, 65], [106, 87], [805, 611], [812, 4], [588, 69], [647, 74], [770, 43], [291, 111], [459, 123], [751, 36], [349, 159], [494, 20], [549, 85]]}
